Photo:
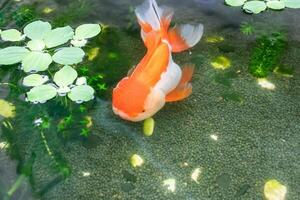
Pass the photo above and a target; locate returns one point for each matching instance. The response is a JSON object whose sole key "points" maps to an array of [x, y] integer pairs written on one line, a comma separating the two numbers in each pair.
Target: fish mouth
{"points": [[124, 116]]}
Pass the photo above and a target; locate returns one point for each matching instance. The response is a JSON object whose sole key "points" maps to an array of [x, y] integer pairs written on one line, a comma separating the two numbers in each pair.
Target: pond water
{"points": [[233, 134]]}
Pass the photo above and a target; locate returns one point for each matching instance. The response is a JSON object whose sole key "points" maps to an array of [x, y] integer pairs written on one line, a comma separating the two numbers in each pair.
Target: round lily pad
{"points": [[58, 36], [36, 45], [36, 61], [12, 55], [68, 56], [35, 80], [37, 30], [62, 91], [41, 93], [292, 3], [79, 43], [86, 31], [65, 76], [81, 81], [81, 93], [255, 7], [11, 35], [276, 5], [235, 2]]}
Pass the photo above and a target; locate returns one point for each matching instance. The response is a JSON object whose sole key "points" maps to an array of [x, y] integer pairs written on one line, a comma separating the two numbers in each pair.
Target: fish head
{"points": [[135, 101]]}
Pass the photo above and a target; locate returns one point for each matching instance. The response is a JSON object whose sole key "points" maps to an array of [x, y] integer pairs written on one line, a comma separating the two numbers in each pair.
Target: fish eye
{"points": [[144, 111]]}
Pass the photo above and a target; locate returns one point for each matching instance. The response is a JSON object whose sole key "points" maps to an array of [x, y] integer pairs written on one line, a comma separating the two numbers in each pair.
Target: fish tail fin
{"points": [[153, 18], [184, 36]]}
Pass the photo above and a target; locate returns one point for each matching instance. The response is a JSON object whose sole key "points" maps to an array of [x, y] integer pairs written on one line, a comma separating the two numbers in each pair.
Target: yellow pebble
{"points": [[274, 190], [221, 62], [148, 127], [136, 161], [7, 109]]}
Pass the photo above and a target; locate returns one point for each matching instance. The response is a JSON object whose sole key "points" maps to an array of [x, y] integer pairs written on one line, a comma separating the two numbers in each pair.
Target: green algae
{"points": [[267, 54]]}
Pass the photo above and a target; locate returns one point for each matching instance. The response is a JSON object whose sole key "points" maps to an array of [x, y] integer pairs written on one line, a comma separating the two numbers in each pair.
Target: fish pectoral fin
{"points": [[184, 88], [181, 92], [130, 71]]}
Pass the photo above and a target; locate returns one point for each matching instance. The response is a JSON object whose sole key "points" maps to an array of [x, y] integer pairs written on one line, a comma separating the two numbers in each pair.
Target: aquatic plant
{"points": [[266, 54], [258, 6], [246, 28], [45, 48], [24, 14]]}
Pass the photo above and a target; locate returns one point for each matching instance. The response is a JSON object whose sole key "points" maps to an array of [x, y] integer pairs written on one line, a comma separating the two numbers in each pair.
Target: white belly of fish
{"points": [[170, 78]]}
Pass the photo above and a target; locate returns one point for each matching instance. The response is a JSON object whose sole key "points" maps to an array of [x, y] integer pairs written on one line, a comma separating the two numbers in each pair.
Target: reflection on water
{"points": [[231, 136]]}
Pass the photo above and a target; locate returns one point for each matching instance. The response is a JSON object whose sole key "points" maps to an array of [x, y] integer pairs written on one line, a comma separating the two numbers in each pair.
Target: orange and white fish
{"points": [[157, 78]]}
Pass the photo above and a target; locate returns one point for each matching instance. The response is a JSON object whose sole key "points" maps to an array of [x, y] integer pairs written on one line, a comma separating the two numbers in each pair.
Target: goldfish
{"points": [[156, 79]]}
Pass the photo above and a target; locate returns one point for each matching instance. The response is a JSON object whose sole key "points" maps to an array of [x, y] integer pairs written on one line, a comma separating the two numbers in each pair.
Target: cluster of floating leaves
{"points": [[258, 6], [64, 84], [39, 53]]}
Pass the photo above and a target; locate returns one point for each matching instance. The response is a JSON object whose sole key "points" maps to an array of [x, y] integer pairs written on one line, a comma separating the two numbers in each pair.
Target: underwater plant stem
{"points": [[15, 186], [46, 145], [2, 6], [9, 84]]}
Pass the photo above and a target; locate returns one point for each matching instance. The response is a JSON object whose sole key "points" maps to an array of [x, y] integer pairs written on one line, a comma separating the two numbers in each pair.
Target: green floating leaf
{"points": [[255, 7], [36, 61], [276, 5], [11, 35], [81, 93], [79, 43], [34, 80], [58, 36], [12, 55], [65, 76], [292, 3], [86, 31], [41, 93], [36, 45], [235, 2], [68, 56], [81, 81], [37, 30]]}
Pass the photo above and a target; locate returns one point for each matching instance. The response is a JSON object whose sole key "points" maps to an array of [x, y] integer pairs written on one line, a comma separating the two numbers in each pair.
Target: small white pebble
{"points": [[214, 137], [195, 174], [170, 184]]}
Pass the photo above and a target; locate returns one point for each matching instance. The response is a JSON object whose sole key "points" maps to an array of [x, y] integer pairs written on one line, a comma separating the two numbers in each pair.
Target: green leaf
{"points": [[65, 76], [12, 55], [36, 61], [68, 56], [79, 43], [276, 5], [235, 2], [11, 35], [255, 7], [86, 31], [34, 80], [58, 36], [81, 81], [41, 93], [81, 93], [37, 30], [36, 45], [292, 3]]}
